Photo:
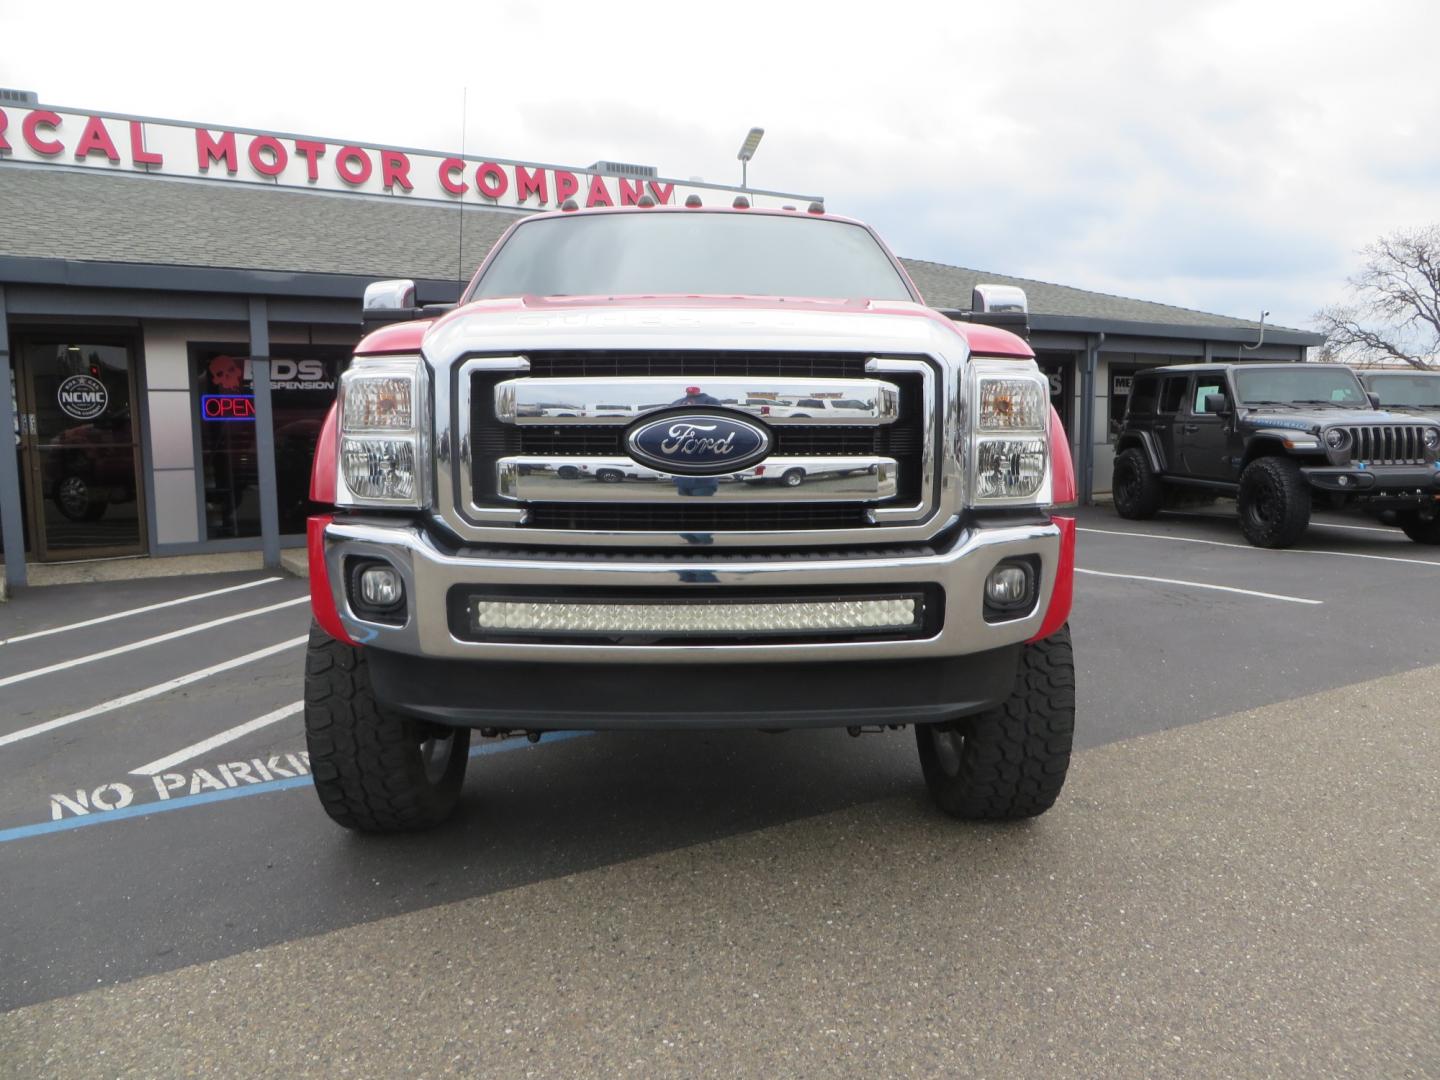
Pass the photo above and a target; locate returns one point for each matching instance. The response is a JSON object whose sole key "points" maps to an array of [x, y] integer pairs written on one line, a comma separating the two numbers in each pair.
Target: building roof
{"points": [[53, 213]]}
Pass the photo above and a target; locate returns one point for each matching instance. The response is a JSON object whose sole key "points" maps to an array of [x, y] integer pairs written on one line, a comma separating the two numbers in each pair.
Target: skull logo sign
{"points": [[227, 372]]}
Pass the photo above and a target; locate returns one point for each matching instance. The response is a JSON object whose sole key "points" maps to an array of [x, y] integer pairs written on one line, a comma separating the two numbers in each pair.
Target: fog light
{"points": [[1007, 586], [380, 587]]}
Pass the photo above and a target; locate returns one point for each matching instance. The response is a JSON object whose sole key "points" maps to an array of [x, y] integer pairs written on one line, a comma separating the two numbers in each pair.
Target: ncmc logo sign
{"points": [[82, 397]]}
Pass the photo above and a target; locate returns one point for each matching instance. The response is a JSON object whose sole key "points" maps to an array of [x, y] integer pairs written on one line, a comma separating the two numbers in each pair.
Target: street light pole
{"points": [[747, 151]]}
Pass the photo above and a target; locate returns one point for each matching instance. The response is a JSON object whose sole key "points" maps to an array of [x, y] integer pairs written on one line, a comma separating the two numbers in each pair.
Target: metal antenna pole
{"points": [[460, 203]]}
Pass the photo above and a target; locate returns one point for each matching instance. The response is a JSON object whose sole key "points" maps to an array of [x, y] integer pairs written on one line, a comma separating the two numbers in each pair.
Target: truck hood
{"points": [[710, 323]]}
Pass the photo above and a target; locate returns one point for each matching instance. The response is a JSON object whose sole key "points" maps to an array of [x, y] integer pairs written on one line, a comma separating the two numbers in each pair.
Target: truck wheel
{"points": [[793, 477], [77, 499], [1420, 529], [1009, 762], [374, 771], [1139, 493], [567, 472], [610, 476], [1274, 503]]}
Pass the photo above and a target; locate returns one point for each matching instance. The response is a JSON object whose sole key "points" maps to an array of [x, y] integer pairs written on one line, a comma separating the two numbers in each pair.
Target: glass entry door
{"points": [[79, 447]]}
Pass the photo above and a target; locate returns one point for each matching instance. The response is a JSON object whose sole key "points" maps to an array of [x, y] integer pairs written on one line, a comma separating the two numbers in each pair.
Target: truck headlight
{"points": [[1009, 441], [1431, 436], [384, 417], [1009, 468]]}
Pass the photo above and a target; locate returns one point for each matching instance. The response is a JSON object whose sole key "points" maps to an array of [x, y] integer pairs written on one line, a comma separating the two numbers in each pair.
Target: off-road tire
{"points": [[1274, 502], [1009, 762], [1419, 529], [1139, 494], [367, 763]]}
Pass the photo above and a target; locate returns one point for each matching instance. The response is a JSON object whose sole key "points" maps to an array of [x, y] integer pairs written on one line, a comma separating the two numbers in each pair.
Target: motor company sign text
{"points": [[125, 144]]}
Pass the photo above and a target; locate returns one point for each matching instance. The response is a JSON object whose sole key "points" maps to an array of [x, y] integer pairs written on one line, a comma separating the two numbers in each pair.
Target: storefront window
{"points": [[302, 387]]}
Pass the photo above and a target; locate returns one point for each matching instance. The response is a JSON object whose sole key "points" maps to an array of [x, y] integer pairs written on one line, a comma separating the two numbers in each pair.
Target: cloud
{"points": [[1221, 155]]}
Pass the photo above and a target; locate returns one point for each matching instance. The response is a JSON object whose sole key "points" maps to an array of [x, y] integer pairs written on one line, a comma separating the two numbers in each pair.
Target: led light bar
{"points": [[696, 618]]}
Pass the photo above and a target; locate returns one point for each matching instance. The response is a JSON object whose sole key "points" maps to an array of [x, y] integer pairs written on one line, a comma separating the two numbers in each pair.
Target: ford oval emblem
{"points": [[698, 443]]}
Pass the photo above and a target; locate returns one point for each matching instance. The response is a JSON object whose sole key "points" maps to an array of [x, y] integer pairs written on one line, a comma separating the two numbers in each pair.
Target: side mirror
{"points": [[389, 301], [1374, 399], [1218, 404], [998, 299]]}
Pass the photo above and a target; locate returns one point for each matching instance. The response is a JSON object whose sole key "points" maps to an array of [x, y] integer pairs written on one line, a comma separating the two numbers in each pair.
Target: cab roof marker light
{"points": [[741, 203], [645, 200], [569, 204], [692, 201], [815, 208]]}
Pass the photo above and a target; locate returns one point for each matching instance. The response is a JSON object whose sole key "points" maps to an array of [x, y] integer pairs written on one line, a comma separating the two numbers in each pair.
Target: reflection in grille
{"points": [[901, 440], [1388, 444], [750, 517]]}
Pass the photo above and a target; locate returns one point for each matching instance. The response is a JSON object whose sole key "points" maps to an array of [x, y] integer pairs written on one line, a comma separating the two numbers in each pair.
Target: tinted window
{"points": [[1173, 394], [1142, 394], [1408, 390], [698, 253]]}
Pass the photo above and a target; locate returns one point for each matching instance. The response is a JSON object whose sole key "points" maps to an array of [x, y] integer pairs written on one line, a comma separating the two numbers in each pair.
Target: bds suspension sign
{"points": [[128, 144]]}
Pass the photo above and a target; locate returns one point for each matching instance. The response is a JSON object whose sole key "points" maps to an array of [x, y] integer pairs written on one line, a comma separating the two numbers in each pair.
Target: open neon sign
{"points": [[227, 407]]}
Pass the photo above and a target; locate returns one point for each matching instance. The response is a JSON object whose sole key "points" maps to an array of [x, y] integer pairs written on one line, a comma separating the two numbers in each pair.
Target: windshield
{"points": [[1300, 384], [699, 253], [1407, 390]]}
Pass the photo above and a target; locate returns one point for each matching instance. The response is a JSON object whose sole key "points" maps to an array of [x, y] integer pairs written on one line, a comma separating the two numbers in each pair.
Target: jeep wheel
{"points": [[1421, 529], [1139, 493], [1009, 762], [1274, 503], [373, 770]]}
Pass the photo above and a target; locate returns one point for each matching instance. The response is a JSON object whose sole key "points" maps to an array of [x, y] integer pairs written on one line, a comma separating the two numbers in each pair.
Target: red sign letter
{"points": [[630, 192], [565, 185], [138, 154], [49, 147], [4, 123], [208, 149], [662, 192], [598, 195], [395, 169], [490, 180], [312, 152], [95, 139], [448, 168], [528, 183], [275, 164], [353, 165]]}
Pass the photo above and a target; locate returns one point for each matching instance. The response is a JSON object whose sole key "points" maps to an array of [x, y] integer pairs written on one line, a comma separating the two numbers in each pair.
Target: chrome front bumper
{"points": [[430, 573]]}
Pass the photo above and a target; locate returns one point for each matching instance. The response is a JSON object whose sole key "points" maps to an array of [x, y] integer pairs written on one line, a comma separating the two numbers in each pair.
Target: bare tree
{"points": [[1393, 311]]}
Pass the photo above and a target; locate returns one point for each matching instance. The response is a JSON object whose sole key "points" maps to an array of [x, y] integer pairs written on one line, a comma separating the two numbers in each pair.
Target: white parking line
{"points": [[1248, 547], [185, 631], [228, 735], [1358, 528], [1200, 585], [136, 611], [150, 692]]}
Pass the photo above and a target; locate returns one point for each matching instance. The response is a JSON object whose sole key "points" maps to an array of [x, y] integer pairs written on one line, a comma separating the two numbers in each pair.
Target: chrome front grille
{"points": [[1387, 444], [542, 442]]}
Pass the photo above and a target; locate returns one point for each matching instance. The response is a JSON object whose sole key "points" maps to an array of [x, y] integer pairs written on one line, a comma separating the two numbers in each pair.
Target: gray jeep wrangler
{"points": [[1275, 437]]}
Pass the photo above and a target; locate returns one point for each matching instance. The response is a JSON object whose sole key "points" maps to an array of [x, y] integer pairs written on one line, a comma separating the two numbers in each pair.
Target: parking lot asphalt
{"points": [[157, 834]]}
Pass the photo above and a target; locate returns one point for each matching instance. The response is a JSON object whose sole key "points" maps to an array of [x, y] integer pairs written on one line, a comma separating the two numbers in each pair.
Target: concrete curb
{"points": [[295, 561]]}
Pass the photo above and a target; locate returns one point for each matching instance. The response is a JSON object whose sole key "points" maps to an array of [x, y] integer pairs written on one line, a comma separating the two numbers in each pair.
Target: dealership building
{"points": [[179, 298]]}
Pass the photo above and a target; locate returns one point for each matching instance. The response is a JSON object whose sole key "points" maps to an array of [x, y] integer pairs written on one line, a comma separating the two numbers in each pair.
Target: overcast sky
{"points": [[1223, 156]]}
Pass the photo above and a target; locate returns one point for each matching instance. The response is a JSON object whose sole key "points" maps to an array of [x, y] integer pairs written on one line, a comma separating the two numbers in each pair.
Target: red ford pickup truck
{"points": [[477, 575]]}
